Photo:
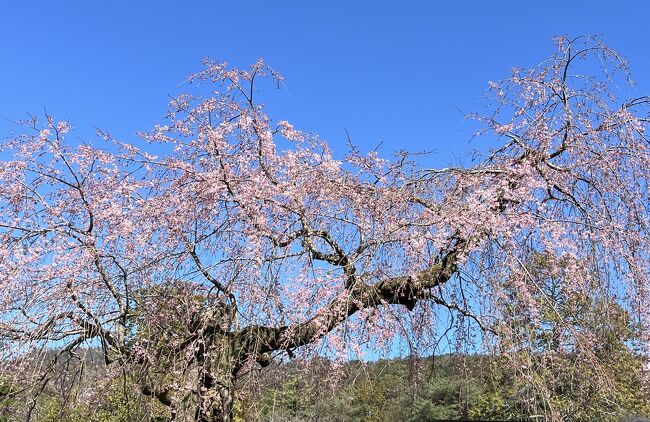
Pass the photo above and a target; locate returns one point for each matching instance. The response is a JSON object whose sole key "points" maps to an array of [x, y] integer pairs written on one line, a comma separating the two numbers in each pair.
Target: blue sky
{"points": [[401, 73]]}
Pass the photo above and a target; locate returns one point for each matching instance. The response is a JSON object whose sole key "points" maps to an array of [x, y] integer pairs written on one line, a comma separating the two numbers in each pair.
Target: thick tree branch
{"points": [[257, 340]]}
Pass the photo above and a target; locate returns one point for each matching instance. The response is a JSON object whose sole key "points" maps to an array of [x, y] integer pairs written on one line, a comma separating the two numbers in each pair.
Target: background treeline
{"points": [[415, 390], [450, 387]]}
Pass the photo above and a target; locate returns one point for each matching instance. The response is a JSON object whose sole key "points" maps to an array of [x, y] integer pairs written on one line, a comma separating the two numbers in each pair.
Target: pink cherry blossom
{"points": [[228, 239]]}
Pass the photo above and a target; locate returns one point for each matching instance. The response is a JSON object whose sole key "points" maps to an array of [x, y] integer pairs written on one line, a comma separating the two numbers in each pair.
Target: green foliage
{"points": [[119, 402], [383, 391], [449, 387], [289, 401], [7, 399], [454, 387], [572, 363]]}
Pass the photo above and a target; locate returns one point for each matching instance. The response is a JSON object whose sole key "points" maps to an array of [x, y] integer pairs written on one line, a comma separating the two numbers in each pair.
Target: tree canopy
{"points": [[230, 239]]}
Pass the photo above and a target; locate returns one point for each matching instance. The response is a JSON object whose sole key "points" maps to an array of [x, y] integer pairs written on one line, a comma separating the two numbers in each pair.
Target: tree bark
{"points": [[216, 405], [217, 380]]}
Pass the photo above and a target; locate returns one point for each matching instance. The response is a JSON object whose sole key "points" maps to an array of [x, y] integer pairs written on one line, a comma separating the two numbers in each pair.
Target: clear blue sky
{"points": [[397, 72]]}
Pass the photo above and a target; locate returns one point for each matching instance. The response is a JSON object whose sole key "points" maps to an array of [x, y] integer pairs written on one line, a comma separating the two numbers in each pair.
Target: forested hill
{"points": [[448, 387]]}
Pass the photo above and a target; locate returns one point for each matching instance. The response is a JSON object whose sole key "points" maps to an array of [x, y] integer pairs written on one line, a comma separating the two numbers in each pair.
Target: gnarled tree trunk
{"points": [[216, 405]]}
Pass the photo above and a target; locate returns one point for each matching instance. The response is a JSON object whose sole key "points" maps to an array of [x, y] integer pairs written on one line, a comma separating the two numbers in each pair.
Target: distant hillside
{"points": [[447, 387]]}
